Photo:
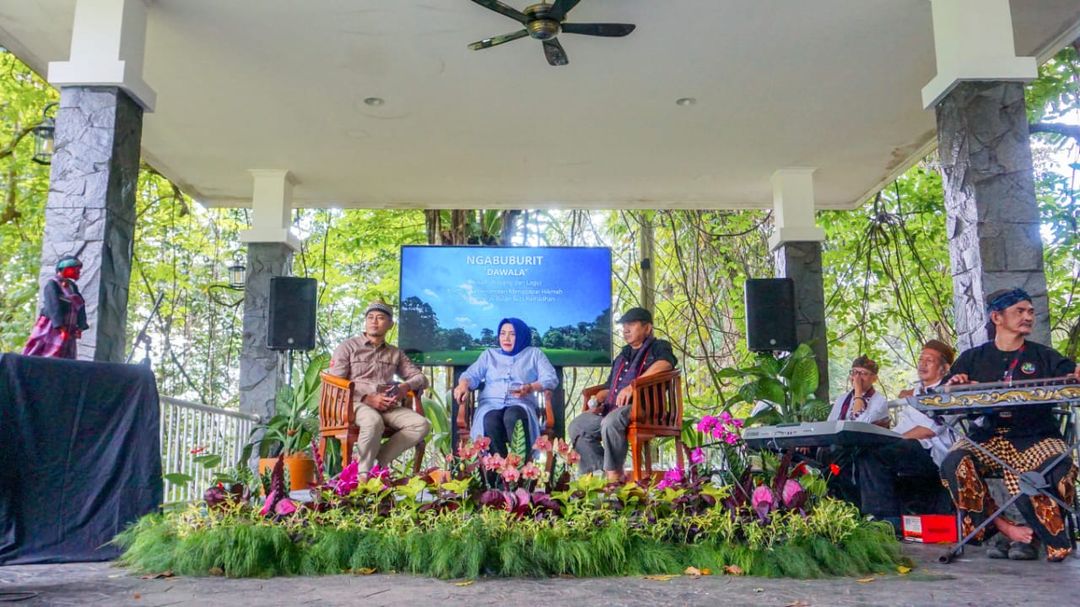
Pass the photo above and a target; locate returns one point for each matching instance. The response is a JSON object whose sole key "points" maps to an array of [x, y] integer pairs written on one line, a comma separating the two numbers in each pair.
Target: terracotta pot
{"points": [[300, 466]]}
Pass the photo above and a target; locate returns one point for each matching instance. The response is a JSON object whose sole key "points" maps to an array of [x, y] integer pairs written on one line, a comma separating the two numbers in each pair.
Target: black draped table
{"points": [[79, 457]]}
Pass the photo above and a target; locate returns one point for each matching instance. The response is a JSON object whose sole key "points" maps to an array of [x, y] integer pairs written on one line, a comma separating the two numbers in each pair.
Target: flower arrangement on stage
{"points": [[483, 514]]}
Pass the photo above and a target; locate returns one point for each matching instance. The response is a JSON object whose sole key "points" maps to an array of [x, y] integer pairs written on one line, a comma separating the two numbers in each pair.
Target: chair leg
{"points": [[323, 440], [646, 449], [635, 457], [418, 459], [679, 453], [346, 450]]}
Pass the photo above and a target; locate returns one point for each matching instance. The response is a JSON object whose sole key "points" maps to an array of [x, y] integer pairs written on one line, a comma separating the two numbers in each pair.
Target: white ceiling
{"points": [[260, 84]]}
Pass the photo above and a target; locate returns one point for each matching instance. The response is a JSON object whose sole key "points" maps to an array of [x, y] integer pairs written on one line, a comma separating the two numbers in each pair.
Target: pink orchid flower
{"points": [[492, 462], [513, 459], [511, 475], [697, 456], [543, 443], [530, 471]]}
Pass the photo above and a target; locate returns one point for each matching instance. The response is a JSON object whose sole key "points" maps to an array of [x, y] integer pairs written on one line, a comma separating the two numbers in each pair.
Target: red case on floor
{"points": [[929, 528]]}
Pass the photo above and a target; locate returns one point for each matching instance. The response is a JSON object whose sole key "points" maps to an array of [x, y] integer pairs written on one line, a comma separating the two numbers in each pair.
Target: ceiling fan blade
{"points": [[497, 40], [561, 7], [503, 9], [612, 30], [555, 53]]}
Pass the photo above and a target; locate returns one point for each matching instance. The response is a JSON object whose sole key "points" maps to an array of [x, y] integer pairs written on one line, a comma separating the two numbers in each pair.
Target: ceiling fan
{"points": [[544, 22]]}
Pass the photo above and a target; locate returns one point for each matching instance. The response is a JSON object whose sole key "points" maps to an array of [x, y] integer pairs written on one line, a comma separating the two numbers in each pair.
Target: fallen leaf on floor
{"points": [[217, 571], [903, 570], [465, 583], [364, 571], [759, 590], [158, 576], [733, 570], [137, 596], [115, 575], [865, 580], [692, 571], [706, 571], [660, 578], [798, 604]]}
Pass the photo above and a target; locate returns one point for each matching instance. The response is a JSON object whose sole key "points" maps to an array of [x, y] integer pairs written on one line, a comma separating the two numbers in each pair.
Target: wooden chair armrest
{"points": [[334, 380], [658, 378], [588, 393]]}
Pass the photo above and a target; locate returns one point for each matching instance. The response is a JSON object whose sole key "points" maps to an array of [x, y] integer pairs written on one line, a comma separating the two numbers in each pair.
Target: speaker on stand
{"points": [[291, 325], [770, 315]]}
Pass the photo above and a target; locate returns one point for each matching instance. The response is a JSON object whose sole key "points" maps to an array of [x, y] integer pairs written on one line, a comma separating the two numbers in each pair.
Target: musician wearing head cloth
{"points": [[63, 314], [862, 403], [1026, 437], [508, 377], [925, 445], [382, 377], [599, 434]]}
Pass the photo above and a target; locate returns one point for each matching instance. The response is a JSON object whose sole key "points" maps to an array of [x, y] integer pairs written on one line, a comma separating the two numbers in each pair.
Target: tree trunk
{"points": [[646, 250]]}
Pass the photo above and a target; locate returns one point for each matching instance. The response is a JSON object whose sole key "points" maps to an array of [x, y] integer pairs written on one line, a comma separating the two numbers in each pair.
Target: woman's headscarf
{"points": [[522, 335]]}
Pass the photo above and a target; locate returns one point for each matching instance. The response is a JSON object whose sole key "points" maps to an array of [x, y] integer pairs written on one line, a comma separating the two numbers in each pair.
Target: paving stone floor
{"points": [[972, 580]]}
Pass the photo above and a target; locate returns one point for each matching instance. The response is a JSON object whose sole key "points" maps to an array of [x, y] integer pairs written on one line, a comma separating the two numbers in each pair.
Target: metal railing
{"points": [[189, 430]]}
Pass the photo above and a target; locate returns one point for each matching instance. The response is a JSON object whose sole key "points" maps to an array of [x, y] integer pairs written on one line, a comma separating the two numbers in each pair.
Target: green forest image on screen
{"points": [[452, 299]]}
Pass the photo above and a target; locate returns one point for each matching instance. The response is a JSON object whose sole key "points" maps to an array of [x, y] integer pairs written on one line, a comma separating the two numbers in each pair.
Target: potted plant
{"points": [[290, 430]]}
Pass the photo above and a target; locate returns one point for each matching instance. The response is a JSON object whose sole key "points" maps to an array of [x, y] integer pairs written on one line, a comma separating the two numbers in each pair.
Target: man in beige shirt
{"points": [[370, 362]]}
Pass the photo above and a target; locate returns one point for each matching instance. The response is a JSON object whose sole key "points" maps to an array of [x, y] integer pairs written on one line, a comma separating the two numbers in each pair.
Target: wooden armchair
{"points": [[656, 412], [466, 411], [337, 418]]}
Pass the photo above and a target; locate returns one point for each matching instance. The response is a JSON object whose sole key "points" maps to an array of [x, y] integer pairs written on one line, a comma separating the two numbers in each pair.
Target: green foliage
{"points": [[783, 387], [297, 418], [436, 412], [463, 545]]}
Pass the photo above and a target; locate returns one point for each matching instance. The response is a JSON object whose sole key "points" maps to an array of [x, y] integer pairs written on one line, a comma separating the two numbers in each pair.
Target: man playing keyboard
{"points": [[862, 403], [926, 444], [1026, 438]]}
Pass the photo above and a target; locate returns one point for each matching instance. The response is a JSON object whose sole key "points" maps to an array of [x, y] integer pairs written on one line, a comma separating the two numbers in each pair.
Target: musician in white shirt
{"points": [[861, 403], [926, 444]]}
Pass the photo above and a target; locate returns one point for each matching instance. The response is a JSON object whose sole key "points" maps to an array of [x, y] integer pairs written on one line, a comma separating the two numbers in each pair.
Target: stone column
{"points": [[801, 261], [90, 211], [796, 245], [262, 370], [993, 217]]}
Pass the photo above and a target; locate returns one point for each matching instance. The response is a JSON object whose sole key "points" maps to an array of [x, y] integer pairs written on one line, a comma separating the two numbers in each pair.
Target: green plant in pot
{"points": [[295, 422], [781, 390]]}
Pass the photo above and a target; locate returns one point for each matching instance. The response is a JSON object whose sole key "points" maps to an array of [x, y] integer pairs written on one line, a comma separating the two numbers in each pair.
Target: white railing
{"points": [[189, 430]]}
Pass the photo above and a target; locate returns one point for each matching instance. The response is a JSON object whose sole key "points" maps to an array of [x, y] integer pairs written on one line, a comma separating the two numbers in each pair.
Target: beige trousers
{"points": [[409, 429]]}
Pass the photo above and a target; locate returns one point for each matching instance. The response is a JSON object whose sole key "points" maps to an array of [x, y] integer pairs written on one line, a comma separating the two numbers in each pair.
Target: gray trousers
{"points": [[601, 441]]}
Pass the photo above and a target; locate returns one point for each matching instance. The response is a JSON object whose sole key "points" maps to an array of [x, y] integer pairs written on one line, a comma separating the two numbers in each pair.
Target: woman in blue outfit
{"points": [[510, 375]]}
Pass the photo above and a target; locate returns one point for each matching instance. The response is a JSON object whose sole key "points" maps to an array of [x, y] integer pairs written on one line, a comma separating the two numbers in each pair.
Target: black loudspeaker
{"points": [[292, 313], [770, 314]]}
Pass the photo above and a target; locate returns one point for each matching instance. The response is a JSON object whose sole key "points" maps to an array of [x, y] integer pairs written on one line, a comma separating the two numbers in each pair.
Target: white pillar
{"points": [[108, 42], [271, 208], [973, 40], [793, 207]]}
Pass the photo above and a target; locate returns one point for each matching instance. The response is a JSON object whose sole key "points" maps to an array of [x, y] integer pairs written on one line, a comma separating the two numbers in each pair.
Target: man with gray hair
{"points": [[372, 364]]}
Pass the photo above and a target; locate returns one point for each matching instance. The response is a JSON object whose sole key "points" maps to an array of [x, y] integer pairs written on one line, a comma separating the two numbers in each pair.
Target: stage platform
{"points": [[972, 580]]}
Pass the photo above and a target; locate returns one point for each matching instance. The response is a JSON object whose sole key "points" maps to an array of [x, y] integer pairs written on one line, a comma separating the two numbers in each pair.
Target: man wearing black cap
{"points": [[1026, 438], [371, 364], [599, 435]]}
